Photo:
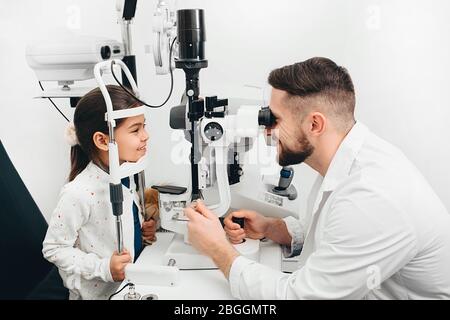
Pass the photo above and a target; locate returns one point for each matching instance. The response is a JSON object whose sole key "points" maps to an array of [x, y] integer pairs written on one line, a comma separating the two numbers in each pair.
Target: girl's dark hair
{"points": [[89, 118]]}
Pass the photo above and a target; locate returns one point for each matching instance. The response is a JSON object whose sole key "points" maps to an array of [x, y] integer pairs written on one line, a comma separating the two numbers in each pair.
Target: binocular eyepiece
{"points": [[266, 117]]}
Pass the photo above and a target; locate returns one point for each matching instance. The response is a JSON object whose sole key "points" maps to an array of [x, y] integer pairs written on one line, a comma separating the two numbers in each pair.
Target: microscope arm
{"points": [[222, 132], [222, 182]]}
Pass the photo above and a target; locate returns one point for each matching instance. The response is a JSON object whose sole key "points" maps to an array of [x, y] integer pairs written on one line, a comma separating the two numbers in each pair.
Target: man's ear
{"points": [[318, 123], [101, 140]]}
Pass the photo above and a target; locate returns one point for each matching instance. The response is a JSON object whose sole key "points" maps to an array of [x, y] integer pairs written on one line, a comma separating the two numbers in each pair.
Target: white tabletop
{"points": [[194, 284]]}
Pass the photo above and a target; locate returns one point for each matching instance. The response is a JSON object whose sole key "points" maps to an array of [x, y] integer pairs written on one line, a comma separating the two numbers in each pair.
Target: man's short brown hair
{"points": [[318, 78]]}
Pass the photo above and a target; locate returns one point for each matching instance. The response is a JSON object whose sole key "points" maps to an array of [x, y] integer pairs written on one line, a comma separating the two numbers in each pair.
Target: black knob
{"points": [[213, 131], [210, 103], [239, 221], [105, 52]]}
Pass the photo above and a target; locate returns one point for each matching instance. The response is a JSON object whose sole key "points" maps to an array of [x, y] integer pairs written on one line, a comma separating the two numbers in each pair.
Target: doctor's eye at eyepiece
{"points": [[266, 117]]}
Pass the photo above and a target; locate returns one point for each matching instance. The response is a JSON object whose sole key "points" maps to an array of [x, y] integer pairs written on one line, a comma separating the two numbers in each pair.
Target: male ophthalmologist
{"points": [[374, 228]]}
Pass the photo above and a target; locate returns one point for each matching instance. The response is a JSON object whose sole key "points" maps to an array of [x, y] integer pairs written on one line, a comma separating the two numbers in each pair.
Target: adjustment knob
{"points": [[239, 221], [213, 131], [105, 52]]}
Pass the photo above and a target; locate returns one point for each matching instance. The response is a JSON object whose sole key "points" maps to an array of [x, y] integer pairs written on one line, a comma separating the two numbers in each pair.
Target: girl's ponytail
{"points": [[78, 161]]}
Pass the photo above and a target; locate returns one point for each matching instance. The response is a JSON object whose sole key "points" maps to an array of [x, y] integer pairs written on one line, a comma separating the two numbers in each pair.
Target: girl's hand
{"points": [[118, 263], [149, 230]]}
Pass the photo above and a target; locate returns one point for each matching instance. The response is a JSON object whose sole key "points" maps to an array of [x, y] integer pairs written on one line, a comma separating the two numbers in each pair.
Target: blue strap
{"points": [[137, 225]]}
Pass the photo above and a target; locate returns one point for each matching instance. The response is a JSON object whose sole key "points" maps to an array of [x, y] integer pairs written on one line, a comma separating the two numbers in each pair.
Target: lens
{"points": [[266, 117]]}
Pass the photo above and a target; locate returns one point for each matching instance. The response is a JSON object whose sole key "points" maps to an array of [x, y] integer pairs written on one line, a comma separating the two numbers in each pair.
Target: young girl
{"points": [[81, 237]]}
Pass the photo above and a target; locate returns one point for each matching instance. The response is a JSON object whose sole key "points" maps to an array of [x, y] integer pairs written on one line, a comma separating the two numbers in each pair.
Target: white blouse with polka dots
{"points": [[81, 236]]}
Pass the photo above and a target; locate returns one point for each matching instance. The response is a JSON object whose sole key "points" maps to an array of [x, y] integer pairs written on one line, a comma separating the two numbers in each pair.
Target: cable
{"points": [[128, 284], [171, 81], [40, 84]]}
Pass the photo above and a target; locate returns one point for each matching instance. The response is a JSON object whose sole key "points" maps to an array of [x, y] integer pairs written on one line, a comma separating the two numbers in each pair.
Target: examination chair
{"points": [[25, 272]]}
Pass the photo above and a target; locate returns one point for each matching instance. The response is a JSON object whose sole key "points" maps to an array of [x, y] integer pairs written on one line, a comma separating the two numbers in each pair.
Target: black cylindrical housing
{"points": [[191, 35], [116, 198]]}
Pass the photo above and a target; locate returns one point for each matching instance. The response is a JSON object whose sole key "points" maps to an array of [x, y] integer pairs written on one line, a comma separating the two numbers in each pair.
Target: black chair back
{"points": [[22, 230]]}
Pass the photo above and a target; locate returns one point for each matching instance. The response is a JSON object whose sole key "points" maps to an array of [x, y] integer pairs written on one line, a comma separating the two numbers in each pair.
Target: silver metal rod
{"points": [[111, 132], [119, 234], [126, 37], [141, 192]]}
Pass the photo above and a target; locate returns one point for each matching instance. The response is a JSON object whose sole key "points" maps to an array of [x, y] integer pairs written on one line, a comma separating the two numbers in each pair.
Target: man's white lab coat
{"points": [[375, 229]]}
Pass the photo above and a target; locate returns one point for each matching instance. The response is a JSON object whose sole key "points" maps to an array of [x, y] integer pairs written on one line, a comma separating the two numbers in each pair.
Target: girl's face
{"points": [[131, 138]]}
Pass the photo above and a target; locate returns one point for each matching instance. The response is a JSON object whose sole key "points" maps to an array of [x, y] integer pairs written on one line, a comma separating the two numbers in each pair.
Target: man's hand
{"points": [[118, 263], [255, 226], [205, 233], [149, 230]]}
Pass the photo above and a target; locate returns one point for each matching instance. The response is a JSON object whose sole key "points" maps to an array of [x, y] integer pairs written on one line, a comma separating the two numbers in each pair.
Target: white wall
{"points": [[397, 52]]}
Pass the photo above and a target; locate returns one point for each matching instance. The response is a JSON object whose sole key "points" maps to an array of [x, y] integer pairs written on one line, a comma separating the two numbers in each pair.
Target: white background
{"points": [[397, 52]]}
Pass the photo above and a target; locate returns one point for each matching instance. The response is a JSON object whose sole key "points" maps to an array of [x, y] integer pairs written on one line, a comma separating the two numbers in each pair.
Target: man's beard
{"points": [[290, 157]]}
